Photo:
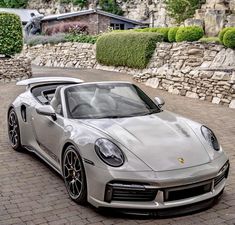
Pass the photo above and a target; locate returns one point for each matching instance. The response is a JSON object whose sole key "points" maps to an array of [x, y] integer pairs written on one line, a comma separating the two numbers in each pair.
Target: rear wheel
{"points": [[74, 175], [14, 131]]}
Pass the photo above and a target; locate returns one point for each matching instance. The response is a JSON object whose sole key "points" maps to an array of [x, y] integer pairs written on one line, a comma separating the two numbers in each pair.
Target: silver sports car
{"points": [[117, 148]]}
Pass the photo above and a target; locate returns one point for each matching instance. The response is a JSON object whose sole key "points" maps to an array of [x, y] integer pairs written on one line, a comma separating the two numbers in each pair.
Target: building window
{"points": [[118, 26]]}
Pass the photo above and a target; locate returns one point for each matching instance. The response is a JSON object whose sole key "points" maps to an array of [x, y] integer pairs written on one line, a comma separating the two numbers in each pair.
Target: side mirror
{"points": [[160, 102], [46, 110]]}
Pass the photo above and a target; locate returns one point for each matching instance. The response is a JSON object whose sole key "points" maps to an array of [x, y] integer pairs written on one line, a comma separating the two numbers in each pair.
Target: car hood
{"points": [[163, 140]]}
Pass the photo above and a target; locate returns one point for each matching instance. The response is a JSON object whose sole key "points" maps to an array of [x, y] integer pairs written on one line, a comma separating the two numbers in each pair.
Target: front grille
{"points": [[178, 193], [129, 192], [222, 174]]}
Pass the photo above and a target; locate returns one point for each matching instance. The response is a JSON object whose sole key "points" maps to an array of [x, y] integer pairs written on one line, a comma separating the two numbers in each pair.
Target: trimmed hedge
{"points": [[222, 33], [161, 30], [131, 49], [172, 34], [11, 35], [229, 38], [191, 33]]}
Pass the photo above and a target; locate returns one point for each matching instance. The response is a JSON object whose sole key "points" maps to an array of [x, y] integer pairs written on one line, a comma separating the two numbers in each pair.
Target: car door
{"points": [[49, 134]]}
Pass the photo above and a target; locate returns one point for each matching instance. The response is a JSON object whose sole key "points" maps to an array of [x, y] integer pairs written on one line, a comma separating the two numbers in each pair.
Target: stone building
{"points": [[96, 20]]}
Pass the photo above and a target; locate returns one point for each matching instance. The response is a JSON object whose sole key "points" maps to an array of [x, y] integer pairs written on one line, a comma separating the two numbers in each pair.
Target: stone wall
{"points": [[76, 55], [13, 69], [195, 70]]}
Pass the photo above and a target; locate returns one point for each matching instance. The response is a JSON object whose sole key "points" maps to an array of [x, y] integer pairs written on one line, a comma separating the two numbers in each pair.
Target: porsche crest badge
{"points": [[181, 160]]}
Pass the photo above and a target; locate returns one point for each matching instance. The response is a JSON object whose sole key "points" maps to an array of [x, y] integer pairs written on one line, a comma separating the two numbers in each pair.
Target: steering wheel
{"points": [[79, 105]]}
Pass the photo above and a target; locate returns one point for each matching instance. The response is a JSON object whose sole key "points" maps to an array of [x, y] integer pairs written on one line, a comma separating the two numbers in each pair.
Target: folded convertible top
{"points": [[45, 80]]}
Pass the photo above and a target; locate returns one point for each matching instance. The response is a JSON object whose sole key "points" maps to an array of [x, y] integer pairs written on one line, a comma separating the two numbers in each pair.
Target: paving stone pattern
{"points": [[31, 193]]}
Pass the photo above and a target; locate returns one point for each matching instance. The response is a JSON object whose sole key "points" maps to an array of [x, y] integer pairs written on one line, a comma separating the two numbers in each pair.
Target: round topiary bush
{"points": [[222, 33], [192, 33], [11, 35], [172, 34], [229, 38]]}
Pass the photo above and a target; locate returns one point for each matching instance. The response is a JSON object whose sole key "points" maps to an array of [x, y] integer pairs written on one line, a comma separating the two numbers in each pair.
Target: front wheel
{"points": [[14, 131], [74, 175]]}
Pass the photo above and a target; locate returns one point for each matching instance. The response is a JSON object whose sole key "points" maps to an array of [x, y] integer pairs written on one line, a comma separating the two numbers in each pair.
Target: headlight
{"points": [[210, 137], [109, 153]]}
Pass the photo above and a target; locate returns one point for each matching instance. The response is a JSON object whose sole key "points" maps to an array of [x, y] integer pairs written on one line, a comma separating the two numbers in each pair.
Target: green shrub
{"points": [[11, 35], [222, 33], [210, 40], [172, 34], [192, 33], [129, 49], [45, 39], [82, 38], [13, 3], [229, 38], [160, 30], [111, 6]]}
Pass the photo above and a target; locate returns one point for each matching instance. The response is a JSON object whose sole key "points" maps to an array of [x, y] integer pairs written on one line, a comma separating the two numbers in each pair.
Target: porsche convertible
{"points": [[117, 148]]}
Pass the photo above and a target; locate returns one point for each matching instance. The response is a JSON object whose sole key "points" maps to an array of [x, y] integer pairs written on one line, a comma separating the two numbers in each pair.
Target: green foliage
{"points": [[82, 38], [222, 33], [180, 10], [13, 3], [129, 49], [210, 40], [81, 3], [111, 6], [191, 33], [11, 35], [161, 30], [229, 38], [172, 34]]}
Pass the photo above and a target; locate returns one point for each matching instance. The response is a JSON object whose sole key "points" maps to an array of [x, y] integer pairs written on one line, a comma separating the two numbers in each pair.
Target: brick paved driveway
{"points": [[32, 193]]}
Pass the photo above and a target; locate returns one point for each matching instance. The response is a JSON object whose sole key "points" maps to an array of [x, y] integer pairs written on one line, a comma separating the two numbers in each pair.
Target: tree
{"points": [[180, 10], [110, 6]]}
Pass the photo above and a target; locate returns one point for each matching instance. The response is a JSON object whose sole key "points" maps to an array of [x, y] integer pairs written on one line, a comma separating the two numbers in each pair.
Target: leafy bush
{"points": [[111, 6], [180, 10], [222, 33], [13, 3], [192, 33], [82, 38], [229, 38], [210, 40], [41, 39], [81, 3], [67, 27], [172, 34], [161, 30], [11, 35], [130, 49]]}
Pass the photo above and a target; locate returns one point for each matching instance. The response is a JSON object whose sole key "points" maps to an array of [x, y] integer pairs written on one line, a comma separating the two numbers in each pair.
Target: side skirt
{"points": [[31, 149]]}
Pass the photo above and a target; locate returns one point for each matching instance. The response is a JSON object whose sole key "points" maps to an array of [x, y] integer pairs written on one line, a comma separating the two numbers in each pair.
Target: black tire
{"points": [[74, 175], [14, 131]]}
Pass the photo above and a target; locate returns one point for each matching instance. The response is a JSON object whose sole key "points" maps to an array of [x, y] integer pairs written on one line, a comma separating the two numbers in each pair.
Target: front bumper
{"points": [[102, 184]]}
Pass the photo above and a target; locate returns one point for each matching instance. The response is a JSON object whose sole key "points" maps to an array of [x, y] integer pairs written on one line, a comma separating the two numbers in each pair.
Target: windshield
{"points": [[107, 100]]}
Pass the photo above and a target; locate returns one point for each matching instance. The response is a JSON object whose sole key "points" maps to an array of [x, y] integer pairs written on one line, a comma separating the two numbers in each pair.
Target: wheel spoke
{"points": [[66, 171], [78, 190]]}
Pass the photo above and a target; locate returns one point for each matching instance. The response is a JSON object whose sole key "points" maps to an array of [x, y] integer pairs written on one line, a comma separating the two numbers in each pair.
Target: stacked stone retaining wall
{"points": [[196, 70]]}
